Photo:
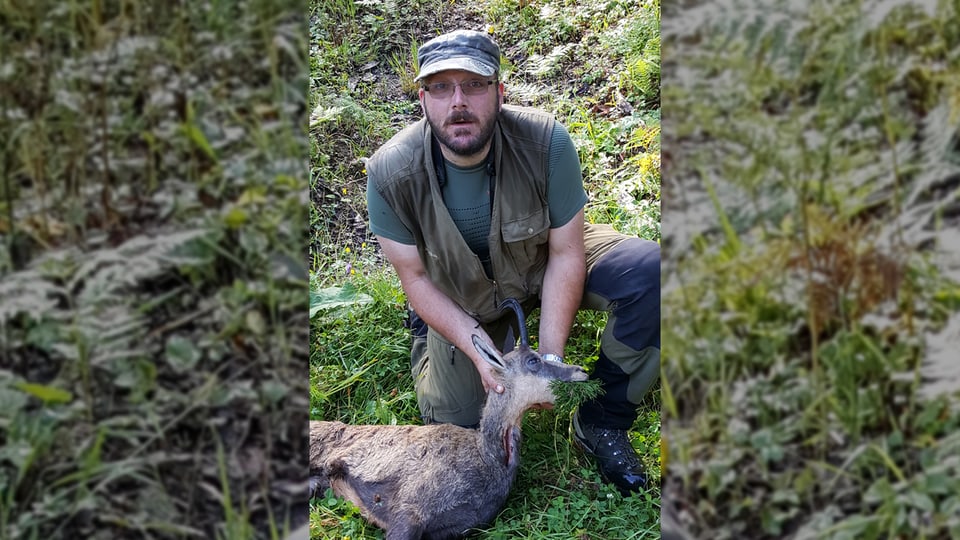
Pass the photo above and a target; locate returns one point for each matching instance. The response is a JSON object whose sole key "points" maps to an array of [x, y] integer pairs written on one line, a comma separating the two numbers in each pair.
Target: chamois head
{"points": [[525, 375]]}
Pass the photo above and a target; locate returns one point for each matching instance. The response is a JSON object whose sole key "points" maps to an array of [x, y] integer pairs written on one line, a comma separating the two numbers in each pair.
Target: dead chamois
{"points": [[440, 480]]}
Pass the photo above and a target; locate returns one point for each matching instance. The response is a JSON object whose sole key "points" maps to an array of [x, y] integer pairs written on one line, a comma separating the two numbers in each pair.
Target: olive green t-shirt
{"points": [[467, 197]]}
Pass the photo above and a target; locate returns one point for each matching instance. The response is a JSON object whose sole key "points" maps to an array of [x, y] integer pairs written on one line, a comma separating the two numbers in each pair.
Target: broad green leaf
{"points": [[253, 195], [334, 297], [273, 391], [182, 354], [11, 402], [16, 452], [235, 217], [919, 500], [48, 394]]}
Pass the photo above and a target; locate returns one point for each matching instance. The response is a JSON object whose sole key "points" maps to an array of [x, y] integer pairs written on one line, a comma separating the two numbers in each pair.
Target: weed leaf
{"points": [[182, 354], [334, 297], [48, 394]]}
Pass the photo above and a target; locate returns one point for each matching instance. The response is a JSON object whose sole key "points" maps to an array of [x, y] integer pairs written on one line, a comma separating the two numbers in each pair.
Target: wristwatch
{"points": [[551, 356]]}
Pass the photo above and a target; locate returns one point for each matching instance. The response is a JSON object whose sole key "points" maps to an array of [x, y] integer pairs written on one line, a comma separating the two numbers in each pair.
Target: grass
{"points": [[153, 310], [798, 315], [579, 63]]}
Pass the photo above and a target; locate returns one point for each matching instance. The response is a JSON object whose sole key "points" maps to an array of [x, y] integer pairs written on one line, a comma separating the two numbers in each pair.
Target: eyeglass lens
{"points": [[473, 87]]}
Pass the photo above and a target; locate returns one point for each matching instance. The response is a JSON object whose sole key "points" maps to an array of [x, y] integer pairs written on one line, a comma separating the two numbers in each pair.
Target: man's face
{"points": [[462, 122]]}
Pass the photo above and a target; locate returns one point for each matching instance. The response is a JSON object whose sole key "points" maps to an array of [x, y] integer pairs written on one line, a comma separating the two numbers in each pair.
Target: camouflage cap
{"points": [[461, 49]]}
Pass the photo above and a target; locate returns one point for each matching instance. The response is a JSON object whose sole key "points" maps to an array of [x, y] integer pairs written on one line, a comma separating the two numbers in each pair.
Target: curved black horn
{"points": [[515, 306]]}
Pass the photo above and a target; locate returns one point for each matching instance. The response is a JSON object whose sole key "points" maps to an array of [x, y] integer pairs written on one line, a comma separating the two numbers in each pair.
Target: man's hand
{"points": [[488, 376]]}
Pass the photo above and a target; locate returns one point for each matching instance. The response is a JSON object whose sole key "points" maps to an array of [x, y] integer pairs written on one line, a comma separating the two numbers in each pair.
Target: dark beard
{"points": [[469, 148]]}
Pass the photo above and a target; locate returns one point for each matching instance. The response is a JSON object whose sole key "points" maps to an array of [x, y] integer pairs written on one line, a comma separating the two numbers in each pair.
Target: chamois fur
{"points": [[440, 480]]}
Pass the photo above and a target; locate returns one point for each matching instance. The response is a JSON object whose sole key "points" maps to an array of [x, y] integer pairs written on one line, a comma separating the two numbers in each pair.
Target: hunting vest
{"points": [[404, 174]]}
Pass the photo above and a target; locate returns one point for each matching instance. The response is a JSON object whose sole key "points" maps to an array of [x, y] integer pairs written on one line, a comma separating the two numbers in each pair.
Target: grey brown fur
{"points": [[437, 481]]}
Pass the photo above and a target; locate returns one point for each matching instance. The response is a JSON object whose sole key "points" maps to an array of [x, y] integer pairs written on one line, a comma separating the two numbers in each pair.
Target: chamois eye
{"points": [[533, 362]]}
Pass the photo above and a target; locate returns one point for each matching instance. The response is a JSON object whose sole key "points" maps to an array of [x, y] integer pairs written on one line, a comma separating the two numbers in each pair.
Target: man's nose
{"points": [[458, 98]]}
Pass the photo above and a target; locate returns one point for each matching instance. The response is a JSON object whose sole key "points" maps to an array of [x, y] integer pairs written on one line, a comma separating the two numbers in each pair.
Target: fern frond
{"points": [[108, 271]]}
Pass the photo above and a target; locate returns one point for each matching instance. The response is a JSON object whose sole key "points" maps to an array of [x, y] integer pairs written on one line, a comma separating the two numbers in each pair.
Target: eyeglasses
{"points": [[473, 87]]}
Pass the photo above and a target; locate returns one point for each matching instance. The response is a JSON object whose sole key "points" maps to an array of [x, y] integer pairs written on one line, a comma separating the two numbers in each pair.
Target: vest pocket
{"points": [[525, 239]]}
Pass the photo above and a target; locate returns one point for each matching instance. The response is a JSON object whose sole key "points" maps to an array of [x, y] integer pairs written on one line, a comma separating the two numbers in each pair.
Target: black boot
{"points": [[618, 462]]}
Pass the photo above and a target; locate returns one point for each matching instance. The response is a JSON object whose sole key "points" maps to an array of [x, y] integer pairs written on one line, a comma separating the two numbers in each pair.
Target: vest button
{"points": [[529, 230]]}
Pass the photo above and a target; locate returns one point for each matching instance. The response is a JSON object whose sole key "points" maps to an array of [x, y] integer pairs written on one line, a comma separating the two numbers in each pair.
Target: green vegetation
{"points": [[152, 309], [595, 65], [820, 143]]}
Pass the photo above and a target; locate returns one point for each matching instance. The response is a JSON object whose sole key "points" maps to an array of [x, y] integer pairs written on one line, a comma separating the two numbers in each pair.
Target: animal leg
{"points": [[405, 528], [318, 484], [374, 499]]}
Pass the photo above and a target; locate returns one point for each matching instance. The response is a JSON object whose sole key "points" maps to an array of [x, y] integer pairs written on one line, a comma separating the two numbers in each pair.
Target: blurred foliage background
{"points": [[811, 170], [153, 304]]}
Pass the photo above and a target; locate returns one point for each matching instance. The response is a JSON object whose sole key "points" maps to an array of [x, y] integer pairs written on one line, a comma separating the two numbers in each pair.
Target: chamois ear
{"points": [[489, 353]]}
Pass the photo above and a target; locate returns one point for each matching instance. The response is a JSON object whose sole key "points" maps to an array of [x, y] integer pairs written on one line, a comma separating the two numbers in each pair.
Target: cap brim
{"points": [[463, 64]]}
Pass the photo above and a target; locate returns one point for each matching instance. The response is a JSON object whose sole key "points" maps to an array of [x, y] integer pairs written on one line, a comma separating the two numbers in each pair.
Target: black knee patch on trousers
{"points": [[611, 410], [629, 277]]}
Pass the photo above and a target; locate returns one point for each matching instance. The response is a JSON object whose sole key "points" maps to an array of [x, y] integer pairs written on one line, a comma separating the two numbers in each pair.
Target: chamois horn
{"points": [[515, 306]]}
